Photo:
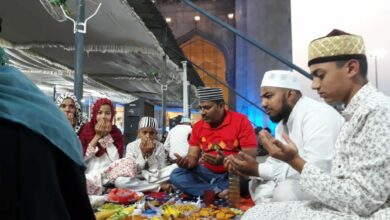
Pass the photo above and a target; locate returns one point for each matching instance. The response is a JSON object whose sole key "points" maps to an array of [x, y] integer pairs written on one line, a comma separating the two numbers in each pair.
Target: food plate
{"points": [[123, 196]]}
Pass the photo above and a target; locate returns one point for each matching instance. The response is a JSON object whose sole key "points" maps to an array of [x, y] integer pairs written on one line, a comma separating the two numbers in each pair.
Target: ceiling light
{"points": [[197, 18]]}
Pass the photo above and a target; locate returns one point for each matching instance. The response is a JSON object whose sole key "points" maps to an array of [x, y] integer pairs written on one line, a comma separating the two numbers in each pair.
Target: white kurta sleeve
{"points": [[90, 153], [362, 186], [167, 143], [133, 150], [112, 151], [273, 169], [157, 160]]}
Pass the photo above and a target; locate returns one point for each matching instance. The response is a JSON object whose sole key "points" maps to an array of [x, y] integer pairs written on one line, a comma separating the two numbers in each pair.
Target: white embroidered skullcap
{"points": [[210, 94], [281, 79], [185, 120], [147, 122]]}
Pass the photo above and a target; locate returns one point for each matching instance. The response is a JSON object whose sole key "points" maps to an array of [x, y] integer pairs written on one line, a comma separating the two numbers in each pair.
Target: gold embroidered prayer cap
{"points": [[337, 45]]}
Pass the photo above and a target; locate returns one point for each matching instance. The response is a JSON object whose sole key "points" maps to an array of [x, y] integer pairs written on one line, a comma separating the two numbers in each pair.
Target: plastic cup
{"points": [[208, 197]]}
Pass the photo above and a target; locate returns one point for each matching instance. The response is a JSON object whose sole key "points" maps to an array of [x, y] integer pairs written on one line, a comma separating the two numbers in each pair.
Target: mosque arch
{"points": [[209, 56]]}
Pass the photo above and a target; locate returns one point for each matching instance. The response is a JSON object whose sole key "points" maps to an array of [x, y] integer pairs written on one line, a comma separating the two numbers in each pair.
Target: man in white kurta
{"points": [[358, 185], [315, 137], [177, 139]]}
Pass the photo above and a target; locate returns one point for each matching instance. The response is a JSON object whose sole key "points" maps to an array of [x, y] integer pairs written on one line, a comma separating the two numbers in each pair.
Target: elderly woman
{"points": [[102, 143], [67, 102]]}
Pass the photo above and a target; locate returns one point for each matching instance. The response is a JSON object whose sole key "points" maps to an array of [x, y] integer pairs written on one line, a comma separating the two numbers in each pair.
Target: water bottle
{"points": [[234, 191]]}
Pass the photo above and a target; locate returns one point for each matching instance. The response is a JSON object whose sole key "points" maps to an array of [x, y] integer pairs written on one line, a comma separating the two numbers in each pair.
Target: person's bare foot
{"points": [[223, 194]]}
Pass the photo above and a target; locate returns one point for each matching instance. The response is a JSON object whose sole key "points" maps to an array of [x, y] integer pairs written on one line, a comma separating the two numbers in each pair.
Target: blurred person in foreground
{"points": [[41, 164]]}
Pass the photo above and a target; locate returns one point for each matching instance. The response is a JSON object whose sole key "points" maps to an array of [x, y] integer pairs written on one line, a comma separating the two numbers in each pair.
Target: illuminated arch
{"points": [[208, 56]]}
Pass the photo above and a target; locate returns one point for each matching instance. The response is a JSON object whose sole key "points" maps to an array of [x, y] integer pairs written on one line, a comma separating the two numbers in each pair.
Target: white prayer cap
{"points": [[147, 122], [185, 120], [281, 79]]}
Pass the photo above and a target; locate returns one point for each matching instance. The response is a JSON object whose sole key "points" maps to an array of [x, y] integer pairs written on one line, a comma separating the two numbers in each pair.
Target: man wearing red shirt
{"points": [[219, 133]]}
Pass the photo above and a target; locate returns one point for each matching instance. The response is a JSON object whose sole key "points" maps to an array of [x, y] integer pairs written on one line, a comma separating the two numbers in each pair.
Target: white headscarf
{"points": [[79, 118]]}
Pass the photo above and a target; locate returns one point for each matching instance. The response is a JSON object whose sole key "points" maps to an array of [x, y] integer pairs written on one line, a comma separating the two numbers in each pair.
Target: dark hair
{"points": [[218, 102], [258, 129], [267, 129], [362, 64]]}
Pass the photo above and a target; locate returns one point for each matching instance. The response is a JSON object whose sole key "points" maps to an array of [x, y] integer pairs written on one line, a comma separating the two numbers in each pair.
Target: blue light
{"points": [[257, 117]]}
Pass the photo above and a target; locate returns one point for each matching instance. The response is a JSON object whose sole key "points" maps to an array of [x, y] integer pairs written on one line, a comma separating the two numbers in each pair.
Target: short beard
{"points": [[284, 112]]}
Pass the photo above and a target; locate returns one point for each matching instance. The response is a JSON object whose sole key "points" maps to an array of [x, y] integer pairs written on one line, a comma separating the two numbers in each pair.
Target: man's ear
{"points": [[353, 68], [289, 93]]}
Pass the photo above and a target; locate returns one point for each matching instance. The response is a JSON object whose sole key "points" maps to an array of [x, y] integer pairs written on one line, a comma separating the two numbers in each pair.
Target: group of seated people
{"points": [[141, 165], [322, 164]]}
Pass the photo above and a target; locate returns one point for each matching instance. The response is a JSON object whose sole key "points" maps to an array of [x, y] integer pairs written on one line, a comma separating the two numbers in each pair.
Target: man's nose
{"points": [[264, 103], [315, 84]]}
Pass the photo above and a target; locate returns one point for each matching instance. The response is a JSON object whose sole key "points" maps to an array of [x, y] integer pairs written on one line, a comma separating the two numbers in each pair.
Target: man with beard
{"points": [[219, 133], [314, 126], [358, 185]]}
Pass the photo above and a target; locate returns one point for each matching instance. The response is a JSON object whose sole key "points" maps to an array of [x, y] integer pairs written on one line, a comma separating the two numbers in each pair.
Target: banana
{"points": [[129, 209], [169, 211], [101, 215]]}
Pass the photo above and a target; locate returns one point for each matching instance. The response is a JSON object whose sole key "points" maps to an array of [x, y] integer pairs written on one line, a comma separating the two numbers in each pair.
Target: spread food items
{"points": [[154, 210]]}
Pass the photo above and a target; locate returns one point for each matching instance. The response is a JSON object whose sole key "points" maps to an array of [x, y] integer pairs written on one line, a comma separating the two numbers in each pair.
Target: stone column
{"points": [[268, 23]]}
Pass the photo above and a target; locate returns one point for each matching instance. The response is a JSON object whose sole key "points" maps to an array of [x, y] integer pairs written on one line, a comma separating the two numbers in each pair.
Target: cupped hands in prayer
{"points": [[277, 149], [71, 117], [286, 152], [186, 162], [103, 128], [213, 159], [241, 164], [147, 146]]}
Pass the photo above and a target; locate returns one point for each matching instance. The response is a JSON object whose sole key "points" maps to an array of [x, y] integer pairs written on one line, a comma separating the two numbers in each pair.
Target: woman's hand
{"points": [[103, 128], [71, 118], [99, 128], [107, 127]]}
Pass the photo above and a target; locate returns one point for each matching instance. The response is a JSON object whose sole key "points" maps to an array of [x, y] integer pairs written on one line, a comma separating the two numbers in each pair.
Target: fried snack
{"points": [[138, 217], [220, 215], [204, 212], [185, 208]]}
